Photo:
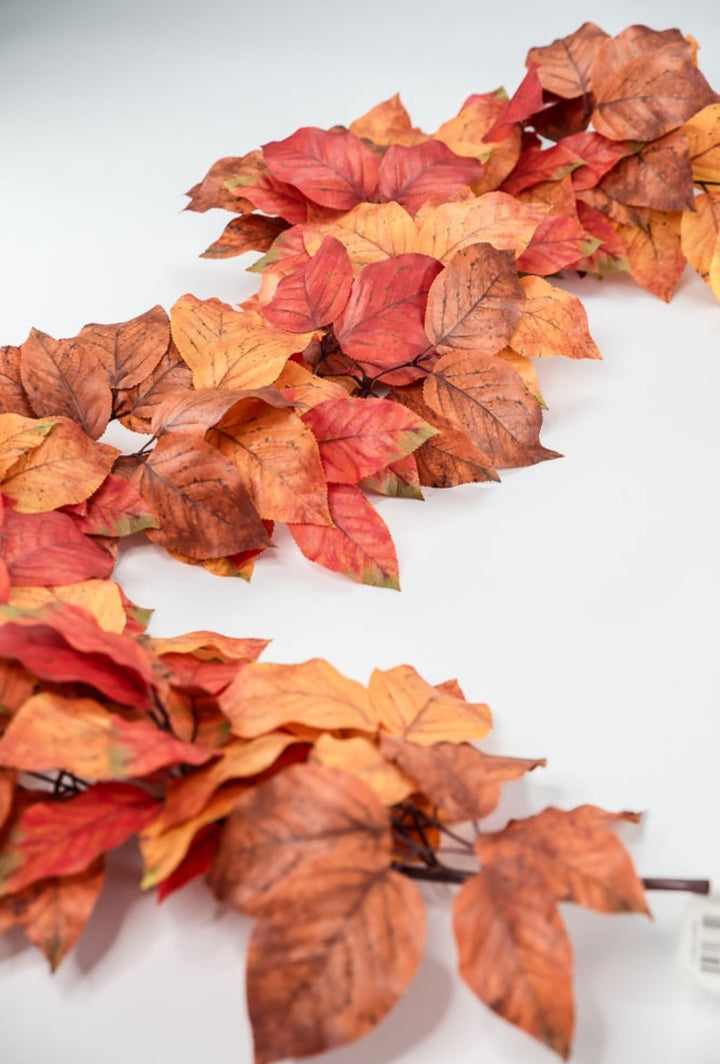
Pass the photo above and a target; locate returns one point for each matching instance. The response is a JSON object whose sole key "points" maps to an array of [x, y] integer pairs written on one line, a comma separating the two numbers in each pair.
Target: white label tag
{"points": [[700, 942]]}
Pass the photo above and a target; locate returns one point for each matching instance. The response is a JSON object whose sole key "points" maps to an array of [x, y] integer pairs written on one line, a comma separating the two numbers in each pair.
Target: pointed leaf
{"points": [[63, 378], [13, 399], [314, 295], [703, 136], [128, 351], [387, 123], [553, 322], [115, 509], [700, 238], [558, 241], [18, 436], [41, 549], [333, 169], [100, 598], [659, 176], [408, 706], [495, 218], [253, 232], [563, 67], [360, 757], [136, 406], [653, 249], [412, 175], [370, 232]]}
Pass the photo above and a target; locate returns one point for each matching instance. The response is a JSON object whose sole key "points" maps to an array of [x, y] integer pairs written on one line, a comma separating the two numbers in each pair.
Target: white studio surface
{"points": [[579, 597]]}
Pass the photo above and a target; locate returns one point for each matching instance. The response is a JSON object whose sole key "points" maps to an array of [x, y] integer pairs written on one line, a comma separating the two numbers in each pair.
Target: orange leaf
{"points": [[495, 218], [101, 598], [128, 351], [360, 757], [408, 706], [703, 136], [253, 232], [200, 500], [514, 951], [653, 249], [264, 697], [577, 856], [13, 399], [386, 123], [563, 67], [209, 646], [196, 410], [358, 544], [553, 322], [136, 406], [700, 238], [475, 303], [18, 436], [8, 782], [64, 837], [63, 378], [370, 232]]}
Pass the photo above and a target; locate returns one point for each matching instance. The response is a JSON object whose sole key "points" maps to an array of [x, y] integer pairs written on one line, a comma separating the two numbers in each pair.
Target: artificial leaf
{"points": [[65, 379], [277, 458], [558, 241], [264, 697], [488, 400], [13, 399], [553, 322], [252, 232], [196, 862], [18, 436], [360, 757], [465, 133], [333, 169], [8, 781], [135, 407], [475, 303], [208, 646], [128, 351], [400, 479], [370, 232], [213, 190], [199, 498], [495, 218], [304, 389], [412, 175], [314, 295], [658, 176], [525, 102], [381, 327], [194, 412], [514, 951], [576, 854], [463, 782], [700, 238], [703, 137], [48, 548], [563, 67], [385, 124], [115, 509], [409, 707], [101, 598], [358, 437], [64, 837], [358, 543], [653, 249]]}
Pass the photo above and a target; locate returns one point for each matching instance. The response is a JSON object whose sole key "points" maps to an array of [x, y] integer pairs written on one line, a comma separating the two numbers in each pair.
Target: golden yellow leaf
{"points": [[409, 706], [101, 598], [361, 757], [370, 232]]}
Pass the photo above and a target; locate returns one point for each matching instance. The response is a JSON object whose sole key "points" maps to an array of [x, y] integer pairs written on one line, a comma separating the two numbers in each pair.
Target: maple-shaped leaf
{"points": [[135, 407], [66, 468], [64, 837], [412, 175], [64, 644], [333, 169], [463, 782], [18, 436], [314, 295], [476, 302], [226, 348], [370, 232], [553, 322], [49, 549], [53, 912], [128, 351], [494, 218], [563, 67], [361, 757], [387, 123], [381, 327], [277, 458], [410, 707], [252, 232], [264, 697], [703, 137], [486, 398], [658, 176], [646, 84], [576, 854], [13, 399], [514, 951], [52, 732], [700, 238], [653, 249], [65, 379], [357, 544], [358, 437], [199, 498]]}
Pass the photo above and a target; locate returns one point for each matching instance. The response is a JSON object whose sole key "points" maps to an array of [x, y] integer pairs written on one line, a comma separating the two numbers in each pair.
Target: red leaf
{"points": [[411, 176], [47, 549], [526, 101], [314, 295], [197, 861], [332, 169]]}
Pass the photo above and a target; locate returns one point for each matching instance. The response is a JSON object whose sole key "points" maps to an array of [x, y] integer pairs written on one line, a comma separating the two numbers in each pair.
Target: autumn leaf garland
{"points": [[403, 296]]}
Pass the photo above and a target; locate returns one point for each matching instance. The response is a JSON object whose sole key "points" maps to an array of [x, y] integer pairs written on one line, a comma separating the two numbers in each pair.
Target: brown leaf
{"points": [[13, 399], [129, 351], [65, 379], [461, 780], [253, 232], [515, 953], [577, 856], [193, 411], [136, 406], [564, 66], [199, 498], [410, 707], [213, 190], [659, 176]]}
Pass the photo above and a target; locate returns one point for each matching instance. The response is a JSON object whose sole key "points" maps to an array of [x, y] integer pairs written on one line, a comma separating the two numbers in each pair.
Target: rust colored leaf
{"points": [[360, 757], [646, 84], [598, 154], [357, 544], [304, 389], [387, 123], [53, 912], [461, 780], [495, 218], [333, 169], [128, 351], [558, 241], [358, 437], [226, 348], [199, 498], [18, 436], [653, 249], [209, 646], [314, 295], [264, 697], [485, 398], [8, 781], [553, 322], [381, 327], [136, 406], [64, 837], [115, 509], [412, 175], [514, 951], [700, 238], [465, 133], [196, 410], [277, 458], [252, 232], [42, 549], [80, 735], [475, 303], [703, 137], [370, 232], [13, 399], [213, 190], [659, 176], [64, 378], [563, 67], [65, 469], [333, 956], [576, 854], [409, 707]]}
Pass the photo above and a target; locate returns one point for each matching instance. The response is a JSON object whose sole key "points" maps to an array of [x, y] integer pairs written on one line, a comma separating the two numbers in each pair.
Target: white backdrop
{"points": [[579, 598]]}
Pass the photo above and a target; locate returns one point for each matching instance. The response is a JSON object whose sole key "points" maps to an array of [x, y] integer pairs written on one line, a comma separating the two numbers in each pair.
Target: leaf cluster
{"points": [[312, 802]]}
